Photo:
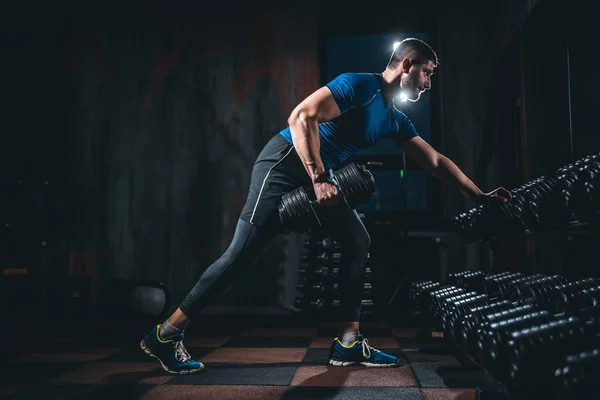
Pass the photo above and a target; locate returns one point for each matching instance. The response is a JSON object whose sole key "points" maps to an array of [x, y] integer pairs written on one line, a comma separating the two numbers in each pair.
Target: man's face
{"points": [[416, 78]]}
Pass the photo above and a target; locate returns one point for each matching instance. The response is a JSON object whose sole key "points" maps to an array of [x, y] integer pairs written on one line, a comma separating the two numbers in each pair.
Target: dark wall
{"points": [[162, 115]]}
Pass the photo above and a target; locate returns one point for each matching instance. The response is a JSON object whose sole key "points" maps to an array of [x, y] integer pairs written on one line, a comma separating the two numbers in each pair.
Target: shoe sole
{"points": [[366, 364], [146, 350]]}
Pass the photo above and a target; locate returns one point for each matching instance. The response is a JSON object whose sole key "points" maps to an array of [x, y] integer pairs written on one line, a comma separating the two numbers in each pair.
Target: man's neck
{"points": [[390, 87]]}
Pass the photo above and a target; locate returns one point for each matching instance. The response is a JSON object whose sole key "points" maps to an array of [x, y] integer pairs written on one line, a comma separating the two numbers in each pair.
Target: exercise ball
{"points": [[149, 299]]}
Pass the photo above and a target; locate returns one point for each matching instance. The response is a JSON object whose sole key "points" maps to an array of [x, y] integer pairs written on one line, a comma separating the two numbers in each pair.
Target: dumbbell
{"points": [[494, 339], [325, 243], [507, 286], [479, 332], [571, 298], [298, 213], [492, 283], [536, 290], [576, 377], [542, 347], [322, 258], [471, 322], [585, 201], [418, 290], [446, 303], [309, 305], [472, 280], [432, 303], [311, 288], [457, 311]]}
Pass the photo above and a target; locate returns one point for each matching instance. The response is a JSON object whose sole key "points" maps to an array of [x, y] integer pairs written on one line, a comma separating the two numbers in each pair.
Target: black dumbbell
{"points": [[479, 333], [492, 283], [436, 298], [427, 295], [324, 243], [470, 280], [534, 289], [311, 288], [494, 338], [542, 347], [417, 289], [567, 298], [298, 213], [506, 286], [446, 303], [576, 377], [459, 311], [471, 322]]}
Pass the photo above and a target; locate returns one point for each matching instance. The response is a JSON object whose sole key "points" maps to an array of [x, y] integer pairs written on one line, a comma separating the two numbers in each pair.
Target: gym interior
{"points": [[128, 137]]}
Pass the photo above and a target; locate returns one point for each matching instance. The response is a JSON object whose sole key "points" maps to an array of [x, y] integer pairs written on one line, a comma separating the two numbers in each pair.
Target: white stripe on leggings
{"points": [[265, 180]]}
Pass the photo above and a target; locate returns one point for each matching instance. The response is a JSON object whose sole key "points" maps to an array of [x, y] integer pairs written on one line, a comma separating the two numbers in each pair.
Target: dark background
{"points": [[142, 125]]}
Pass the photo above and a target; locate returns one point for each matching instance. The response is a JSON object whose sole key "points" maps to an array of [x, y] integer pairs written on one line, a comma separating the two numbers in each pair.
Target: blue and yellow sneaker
{"points": [[360, 353], [170, 352]]}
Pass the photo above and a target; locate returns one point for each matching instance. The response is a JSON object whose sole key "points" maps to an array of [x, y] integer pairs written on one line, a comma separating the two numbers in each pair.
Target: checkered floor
{"points": [[242, 362]]}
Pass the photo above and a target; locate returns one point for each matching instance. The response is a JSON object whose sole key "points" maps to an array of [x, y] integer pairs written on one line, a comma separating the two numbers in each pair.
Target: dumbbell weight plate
{"points": [[496, 336], [472, 322], [479, 334], [298, 213]]}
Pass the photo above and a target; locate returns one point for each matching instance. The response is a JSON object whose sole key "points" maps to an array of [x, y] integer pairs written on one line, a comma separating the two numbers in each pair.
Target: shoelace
{"points": [[181, 353], [367, 349]]}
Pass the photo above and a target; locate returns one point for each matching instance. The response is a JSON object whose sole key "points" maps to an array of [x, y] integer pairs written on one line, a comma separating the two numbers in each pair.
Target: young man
{"points": [[352, 112]]}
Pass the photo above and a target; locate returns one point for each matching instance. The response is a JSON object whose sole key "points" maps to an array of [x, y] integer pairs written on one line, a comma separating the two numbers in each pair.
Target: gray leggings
{"points": [[277, 171]]}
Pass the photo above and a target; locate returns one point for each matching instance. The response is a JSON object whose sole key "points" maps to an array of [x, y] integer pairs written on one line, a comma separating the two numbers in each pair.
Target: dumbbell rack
{"points": [[537, 335], [318, 290], [566, 200]]}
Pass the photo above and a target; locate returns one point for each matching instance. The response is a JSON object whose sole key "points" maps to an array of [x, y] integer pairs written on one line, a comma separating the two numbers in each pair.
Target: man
{"points": [[353, 111]]}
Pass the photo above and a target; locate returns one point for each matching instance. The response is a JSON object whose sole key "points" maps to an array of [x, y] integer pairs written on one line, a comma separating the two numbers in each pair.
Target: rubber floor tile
{"points": [[214, 392], [73, 356], [452, 376], [428, 357], [353, 376], [255, 355], [281, 332], [227, 374], [205, 341], [351, 393], [134, 354], [29, 373], [250, 341], [448, 394], [405, 332], [115, 373]]}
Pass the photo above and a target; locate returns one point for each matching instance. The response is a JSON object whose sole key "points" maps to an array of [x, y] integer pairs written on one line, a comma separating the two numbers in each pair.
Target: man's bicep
{"points": [[320, 105]]}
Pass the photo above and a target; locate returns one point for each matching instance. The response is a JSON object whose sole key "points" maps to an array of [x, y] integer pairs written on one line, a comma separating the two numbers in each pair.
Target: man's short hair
{"points": [[415, 49]]}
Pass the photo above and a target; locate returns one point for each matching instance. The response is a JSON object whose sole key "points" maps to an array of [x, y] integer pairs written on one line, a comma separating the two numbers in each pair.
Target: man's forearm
{"points": [[449, 173], [305, 135]]}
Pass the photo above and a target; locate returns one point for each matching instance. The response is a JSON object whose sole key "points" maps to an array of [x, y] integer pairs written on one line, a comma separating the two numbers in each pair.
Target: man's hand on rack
{"points": [[497, 196]]}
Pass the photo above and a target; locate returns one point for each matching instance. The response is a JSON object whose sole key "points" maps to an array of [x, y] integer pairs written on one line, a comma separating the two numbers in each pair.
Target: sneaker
{"points": [[360, 352], [170, 352]]}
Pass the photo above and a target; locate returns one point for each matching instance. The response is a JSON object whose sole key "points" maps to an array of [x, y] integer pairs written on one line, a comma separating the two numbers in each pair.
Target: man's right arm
{"points": [[304, 126]]}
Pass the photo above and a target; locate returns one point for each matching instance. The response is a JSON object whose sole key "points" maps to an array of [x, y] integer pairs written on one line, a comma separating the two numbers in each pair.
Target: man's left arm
{"points": [[448, 172]]}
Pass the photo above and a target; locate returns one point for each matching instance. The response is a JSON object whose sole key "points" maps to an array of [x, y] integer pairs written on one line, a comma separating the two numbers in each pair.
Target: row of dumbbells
{"points": [[548, 202], [330, 305], [319, 273], [539, 335]]}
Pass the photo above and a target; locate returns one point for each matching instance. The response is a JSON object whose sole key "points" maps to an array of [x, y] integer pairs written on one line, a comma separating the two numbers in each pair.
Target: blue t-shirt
{"points": [[366, 117]]}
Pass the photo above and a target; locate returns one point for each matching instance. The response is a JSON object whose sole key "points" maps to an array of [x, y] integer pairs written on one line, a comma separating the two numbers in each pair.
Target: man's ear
{"points": [[405, 65]]}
